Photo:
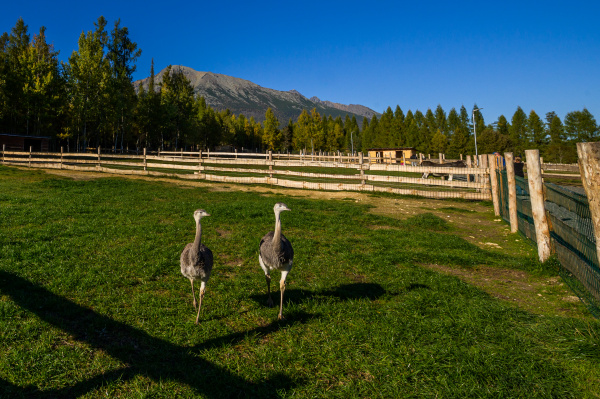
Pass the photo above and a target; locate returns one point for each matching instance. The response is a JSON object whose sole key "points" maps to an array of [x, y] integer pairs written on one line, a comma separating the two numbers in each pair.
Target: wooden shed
{"points": [[17, 142], [392, 155]]}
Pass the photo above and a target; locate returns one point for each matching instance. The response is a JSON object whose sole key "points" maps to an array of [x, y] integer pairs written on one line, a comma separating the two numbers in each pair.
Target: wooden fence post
{"points": [[589, 167], [485, 165], [3, 153], [494, 183], [270, 164], [99, 166], [485, 178], [441, 158], [534, 177], [61, 156], [512, 192], [145, 161], [30, 150], [362, 171]]}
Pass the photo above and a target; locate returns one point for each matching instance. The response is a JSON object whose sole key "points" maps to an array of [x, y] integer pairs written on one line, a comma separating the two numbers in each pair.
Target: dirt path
{"points": [[473, 221]]}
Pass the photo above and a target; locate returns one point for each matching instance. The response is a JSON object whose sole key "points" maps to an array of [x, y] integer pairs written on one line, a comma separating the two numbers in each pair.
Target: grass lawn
{"points": [[389, 297]]}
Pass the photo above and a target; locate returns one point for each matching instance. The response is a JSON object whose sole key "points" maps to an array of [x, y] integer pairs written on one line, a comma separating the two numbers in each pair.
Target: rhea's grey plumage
{"points": [[197, 260], [276, 253]]}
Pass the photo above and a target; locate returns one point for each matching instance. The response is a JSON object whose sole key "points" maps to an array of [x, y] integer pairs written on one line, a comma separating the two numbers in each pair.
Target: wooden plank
{"points": [[563, 175], [428, 169], [234, 179], [169, 166], [558, 167], [434, 194], [427, 182], [323, 186]]}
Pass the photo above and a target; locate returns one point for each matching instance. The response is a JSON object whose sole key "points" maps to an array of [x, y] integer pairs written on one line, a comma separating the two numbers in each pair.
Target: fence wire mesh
{"points": [[571, 232]]}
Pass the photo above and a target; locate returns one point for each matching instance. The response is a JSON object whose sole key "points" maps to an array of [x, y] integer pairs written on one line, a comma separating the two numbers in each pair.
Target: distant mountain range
{"points": [[244, 97]]}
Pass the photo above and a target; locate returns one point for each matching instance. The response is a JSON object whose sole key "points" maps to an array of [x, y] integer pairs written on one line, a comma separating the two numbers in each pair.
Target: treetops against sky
{"points": [[89, 101]]}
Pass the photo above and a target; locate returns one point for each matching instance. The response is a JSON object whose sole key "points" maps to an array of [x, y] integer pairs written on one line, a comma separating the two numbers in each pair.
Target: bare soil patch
{"points": [[539, 295]]}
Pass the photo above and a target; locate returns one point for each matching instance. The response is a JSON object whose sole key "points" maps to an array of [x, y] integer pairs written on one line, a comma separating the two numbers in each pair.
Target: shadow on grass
{"points": [[143, 354], [343, 292]]}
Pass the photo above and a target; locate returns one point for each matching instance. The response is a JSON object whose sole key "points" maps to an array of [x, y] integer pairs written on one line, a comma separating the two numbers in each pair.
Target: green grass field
{"points": [[92, 302]]}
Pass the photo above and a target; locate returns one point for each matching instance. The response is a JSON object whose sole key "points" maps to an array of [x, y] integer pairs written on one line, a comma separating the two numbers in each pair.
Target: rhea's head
{"points": [[280, 207], [199, 214]]}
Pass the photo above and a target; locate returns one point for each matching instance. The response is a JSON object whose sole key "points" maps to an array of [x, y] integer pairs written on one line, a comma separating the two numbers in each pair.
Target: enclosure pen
{"points": [[319, 172]]}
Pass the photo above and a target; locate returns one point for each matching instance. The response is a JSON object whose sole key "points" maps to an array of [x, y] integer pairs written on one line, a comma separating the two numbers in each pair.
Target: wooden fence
{"points": [[320, 172]]}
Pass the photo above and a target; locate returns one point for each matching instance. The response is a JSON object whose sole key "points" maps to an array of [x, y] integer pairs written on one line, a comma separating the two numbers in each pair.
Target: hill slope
{"points": [[244, 97]]}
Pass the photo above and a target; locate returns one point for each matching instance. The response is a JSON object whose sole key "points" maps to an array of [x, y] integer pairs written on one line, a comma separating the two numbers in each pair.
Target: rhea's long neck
{"points": [[277, 233], [198, 234]]}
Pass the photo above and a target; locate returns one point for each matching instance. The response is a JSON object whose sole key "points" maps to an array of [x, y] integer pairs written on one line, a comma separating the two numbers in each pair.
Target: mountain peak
{"points": [[244, 97]]}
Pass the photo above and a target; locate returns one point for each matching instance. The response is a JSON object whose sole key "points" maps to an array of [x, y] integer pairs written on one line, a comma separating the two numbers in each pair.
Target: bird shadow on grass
{"points": [[291, 319], [142, 354], [417, 286], [344, 292]]}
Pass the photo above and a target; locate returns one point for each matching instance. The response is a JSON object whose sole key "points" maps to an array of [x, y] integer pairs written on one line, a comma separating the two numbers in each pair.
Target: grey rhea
{"points": [[276, 253], [197, 260]]}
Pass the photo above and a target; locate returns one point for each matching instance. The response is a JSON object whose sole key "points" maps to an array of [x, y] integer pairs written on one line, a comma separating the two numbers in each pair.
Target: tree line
{"points": [[91, 101]]}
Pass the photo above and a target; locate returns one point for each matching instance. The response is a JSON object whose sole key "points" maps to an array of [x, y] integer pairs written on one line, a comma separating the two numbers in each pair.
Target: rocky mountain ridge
{"points": [[244, 97]]}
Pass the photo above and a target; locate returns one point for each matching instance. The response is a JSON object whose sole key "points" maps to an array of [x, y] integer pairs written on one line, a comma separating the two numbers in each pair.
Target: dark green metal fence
{"points": [[571, 233]]}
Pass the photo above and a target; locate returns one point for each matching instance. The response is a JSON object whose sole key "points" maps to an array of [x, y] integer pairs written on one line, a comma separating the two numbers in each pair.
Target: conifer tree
{"points": [[537, 132], [87, 73], [558, 150], [440, 120], [271, 134], [412, 130], [43, 89], [503, 126], [15, 47], [397, 138], [122, 55], [580, 126], [439, 142], [302, 136], [518, 131], [177, 97]]}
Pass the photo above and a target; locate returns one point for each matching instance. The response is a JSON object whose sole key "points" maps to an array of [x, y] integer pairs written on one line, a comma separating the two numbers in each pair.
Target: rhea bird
{"points": [[197, 261], [276, 253]]}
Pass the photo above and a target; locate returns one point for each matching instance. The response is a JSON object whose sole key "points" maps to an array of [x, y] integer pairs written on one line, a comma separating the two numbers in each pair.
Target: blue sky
{"points": [[542, 56]]}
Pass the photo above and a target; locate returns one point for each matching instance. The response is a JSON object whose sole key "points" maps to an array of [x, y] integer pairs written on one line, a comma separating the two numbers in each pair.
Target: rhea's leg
{"points": [[202, 289], [269, 299], [193, 294], [282, 289]]}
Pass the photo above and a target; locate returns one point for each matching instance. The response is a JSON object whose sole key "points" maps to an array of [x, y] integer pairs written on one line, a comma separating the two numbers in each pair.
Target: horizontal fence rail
{"points": [[320, 172]]}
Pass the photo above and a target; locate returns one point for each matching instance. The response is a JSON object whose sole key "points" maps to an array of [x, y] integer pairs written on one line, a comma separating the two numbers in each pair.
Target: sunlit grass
{"points": [[92, 302]]}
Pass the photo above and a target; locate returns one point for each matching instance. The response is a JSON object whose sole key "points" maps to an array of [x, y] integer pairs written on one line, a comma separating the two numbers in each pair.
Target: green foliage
{"points": [[90, 101], [580, 126], [177, 103], [271, 134], [518, 131]]}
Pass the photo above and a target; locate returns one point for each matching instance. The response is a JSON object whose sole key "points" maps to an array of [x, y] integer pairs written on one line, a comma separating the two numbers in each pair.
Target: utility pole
{"points": [[475, 134]]}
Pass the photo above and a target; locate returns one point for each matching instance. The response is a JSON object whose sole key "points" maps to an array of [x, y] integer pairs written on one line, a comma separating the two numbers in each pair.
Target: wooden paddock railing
{"points": [[561, 170], [320, 172]]}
